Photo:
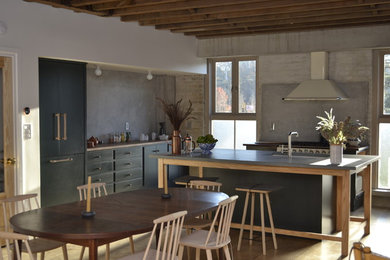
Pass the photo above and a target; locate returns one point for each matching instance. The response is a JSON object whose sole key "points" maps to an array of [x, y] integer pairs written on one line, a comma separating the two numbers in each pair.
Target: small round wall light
{"points": [[149, 76], [3, 27], [98, 71]]}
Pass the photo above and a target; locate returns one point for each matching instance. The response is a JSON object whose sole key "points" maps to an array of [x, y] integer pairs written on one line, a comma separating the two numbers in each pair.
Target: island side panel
{"points": [[303, 202]]}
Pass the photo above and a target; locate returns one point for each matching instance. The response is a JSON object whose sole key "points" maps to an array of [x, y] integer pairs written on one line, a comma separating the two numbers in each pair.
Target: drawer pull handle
{"points": [[129, 185], [128, 153], [97, 157], [99, 180], [99, 169], [128, 163], [61, 160], [156, 151], [130, 174]]}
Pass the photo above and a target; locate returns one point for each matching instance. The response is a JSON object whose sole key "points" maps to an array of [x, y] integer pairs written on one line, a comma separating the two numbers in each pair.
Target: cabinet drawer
{"points": [[99, 167], [128, 185], [128, 152], [128, 174], [103, 155], [105, 177], [130, 163]]}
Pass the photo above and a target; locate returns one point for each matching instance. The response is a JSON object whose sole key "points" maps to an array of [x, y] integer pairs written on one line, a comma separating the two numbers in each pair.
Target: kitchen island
{"points": [[268, 163]]}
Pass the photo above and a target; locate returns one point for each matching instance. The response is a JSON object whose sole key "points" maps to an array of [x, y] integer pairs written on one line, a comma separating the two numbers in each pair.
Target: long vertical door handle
{"points": [[65, 127], [58, 136]]}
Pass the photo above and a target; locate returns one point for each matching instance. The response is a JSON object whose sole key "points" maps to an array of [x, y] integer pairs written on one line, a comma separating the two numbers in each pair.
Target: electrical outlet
{"points": [[127, 126]]}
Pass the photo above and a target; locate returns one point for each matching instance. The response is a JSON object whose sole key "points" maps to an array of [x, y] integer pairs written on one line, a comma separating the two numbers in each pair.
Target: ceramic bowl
{"points": [[206, 148]]}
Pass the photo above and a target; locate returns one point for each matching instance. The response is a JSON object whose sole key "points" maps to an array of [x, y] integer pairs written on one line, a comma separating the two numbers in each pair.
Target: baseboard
{"points": [[381, 199]]}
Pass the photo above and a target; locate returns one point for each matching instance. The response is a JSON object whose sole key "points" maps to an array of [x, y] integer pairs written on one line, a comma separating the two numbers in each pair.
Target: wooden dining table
{"points": [[118, 216]]}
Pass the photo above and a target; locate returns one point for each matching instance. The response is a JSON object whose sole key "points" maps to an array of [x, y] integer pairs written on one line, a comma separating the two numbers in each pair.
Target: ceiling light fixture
{"points": [[98, 71], [149, 76]]}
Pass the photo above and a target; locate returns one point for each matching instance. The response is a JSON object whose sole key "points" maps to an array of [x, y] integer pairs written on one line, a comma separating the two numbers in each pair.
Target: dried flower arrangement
{"points": [[339, 132], [176, 114]]}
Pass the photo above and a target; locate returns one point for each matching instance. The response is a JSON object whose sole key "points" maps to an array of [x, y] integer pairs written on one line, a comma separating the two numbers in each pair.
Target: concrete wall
{"points": [[36, 30], [118, 97], [280, 74], [340, 39], [191, 87]]}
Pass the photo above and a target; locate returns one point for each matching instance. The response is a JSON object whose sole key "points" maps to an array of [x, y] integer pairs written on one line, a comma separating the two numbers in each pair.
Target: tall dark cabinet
{"points": [[62, 95]]}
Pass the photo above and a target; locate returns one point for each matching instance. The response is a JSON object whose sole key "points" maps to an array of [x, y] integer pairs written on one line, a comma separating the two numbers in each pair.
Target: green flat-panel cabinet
{"points": [[150, 164], [62, 93]]}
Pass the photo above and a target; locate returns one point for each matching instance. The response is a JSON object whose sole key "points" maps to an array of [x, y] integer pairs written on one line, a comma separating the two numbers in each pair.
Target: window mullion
{"points": [[235, 77]]}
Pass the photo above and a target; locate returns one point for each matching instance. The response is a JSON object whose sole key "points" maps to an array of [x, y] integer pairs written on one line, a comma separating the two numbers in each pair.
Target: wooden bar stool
{"points": [[261, 190]]}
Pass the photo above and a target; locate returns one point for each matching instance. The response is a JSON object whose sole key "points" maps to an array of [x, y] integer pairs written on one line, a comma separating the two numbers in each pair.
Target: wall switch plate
{"points": [[127, 126], [27, 131]]}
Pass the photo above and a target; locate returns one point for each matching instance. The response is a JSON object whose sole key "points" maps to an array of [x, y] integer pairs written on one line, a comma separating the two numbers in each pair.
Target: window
{"points": [[384, 124], [233, 106]]}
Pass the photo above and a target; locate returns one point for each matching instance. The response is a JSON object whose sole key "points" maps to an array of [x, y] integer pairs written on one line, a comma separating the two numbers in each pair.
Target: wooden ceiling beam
{"points": [[59, 4], [79, 3], [266, 17], [254, 10], [129, 3], [287, 22], [220, 5], [287, 28]]}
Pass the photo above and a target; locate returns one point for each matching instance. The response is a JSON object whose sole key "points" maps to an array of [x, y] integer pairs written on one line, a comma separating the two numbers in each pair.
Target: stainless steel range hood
{"points": [[318, 87]]}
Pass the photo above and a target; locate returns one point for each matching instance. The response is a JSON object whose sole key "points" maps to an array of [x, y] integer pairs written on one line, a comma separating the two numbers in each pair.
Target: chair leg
{"points": [[82, 253], [65, 252], [131, 244], [43, 255], [227, 253], [107, 251], [197, 254], [243, 221], [181, 251], [252, 218], [271, 220], [35, 255], [209, 255], [262, 222], [188, 231]]}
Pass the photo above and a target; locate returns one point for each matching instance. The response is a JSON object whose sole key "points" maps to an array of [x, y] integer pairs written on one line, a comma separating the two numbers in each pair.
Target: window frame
{"points": [[234, 115], [378, 116]]}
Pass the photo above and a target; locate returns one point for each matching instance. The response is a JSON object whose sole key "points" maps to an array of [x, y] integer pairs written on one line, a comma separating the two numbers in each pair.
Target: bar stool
{"points": [[261, 190]]}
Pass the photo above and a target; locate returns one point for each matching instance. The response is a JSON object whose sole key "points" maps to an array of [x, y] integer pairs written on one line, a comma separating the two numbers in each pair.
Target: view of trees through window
{"points": [[386, 90], [247, 86], [223, 87]]}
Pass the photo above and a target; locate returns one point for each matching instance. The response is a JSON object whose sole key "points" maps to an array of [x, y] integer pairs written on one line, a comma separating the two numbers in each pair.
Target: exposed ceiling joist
{"points": [[226, 18]]}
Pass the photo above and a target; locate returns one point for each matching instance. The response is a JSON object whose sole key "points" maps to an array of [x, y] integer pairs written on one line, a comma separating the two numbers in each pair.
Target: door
{"points": [[62, 107], [7, 149]]}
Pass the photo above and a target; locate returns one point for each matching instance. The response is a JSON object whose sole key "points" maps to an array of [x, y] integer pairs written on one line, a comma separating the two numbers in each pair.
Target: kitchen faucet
{"points": [[289, 142]]}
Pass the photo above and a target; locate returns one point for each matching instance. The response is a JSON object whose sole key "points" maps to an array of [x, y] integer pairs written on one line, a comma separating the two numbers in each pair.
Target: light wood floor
{"points": [[289, 247]]}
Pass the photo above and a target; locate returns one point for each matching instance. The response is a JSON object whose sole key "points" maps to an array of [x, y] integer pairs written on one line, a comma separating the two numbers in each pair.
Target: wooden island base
{"points": [[263, 161]]}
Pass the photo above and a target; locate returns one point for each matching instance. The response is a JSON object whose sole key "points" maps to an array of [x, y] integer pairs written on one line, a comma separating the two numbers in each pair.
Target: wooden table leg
{"points": [[345, 214], [367, 188], [93, 250]]}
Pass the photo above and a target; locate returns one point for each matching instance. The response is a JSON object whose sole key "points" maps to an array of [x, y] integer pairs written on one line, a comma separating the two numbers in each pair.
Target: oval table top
{"points": [[117, 216]]}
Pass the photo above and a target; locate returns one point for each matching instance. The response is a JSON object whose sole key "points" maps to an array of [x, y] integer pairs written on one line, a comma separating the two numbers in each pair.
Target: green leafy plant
{"points": [[339, 132], [176, 114], [207, 139]]}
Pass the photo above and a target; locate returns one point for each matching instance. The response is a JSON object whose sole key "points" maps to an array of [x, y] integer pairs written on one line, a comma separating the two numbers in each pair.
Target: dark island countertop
{"points": [[270, 158]]}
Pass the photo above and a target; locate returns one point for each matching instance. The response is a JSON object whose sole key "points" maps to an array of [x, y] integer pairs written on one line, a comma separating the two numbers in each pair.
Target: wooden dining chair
{"points": [[22, 203], [212, 239], [13, 238], [362, 252], [98, 189], [169, 227], [204, 220]]}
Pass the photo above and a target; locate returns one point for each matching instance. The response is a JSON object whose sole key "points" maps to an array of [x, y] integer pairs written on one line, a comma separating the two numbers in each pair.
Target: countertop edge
{"points": [[124, 145]]}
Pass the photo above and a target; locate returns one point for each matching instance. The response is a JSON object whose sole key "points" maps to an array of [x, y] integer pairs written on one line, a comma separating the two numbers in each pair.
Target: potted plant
{"points": [[337, 133], [176, 115], [206, 143]]}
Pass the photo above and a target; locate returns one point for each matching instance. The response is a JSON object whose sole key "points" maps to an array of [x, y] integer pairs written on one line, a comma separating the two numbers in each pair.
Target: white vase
{"points": [[336, 153]]}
